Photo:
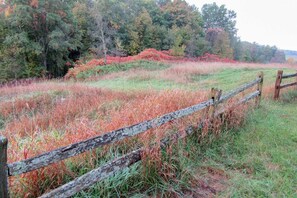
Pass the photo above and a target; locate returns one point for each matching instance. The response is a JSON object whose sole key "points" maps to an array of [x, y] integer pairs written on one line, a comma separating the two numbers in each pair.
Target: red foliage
{"points": [[80, 114], [148, 54]]}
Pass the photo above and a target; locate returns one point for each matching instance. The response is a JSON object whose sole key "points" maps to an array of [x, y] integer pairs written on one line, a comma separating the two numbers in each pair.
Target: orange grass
{"points": [[36, 124], [166, 166], [42, 123]]}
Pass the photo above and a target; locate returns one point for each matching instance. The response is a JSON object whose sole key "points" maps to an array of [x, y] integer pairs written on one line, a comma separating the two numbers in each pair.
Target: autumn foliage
{"points": [[148, 54]]}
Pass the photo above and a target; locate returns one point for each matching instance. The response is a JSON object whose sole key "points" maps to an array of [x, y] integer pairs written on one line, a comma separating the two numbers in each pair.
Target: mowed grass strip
{"points": [[143, 75], [258, 159], [261, 158]]}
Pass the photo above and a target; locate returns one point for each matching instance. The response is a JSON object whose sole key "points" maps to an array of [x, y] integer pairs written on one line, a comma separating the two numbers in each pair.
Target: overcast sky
{"points": [[267, 22]]}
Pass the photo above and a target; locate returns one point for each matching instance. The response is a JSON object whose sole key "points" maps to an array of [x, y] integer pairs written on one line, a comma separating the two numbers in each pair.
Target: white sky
{"points": [[267, 22]]}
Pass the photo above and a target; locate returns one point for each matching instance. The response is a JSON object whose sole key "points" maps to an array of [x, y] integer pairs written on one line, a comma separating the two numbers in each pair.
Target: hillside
{"points": [[253, 155]]}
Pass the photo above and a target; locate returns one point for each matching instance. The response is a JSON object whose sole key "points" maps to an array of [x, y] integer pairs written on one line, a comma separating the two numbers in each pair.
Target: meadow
{"points": [[254, 156]]}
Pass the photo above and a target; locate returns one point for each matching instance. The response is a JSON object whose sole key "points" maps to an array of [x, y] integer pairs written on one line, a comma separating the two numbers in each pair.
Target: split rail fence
{"points": [[279, 78], [123, 162]]}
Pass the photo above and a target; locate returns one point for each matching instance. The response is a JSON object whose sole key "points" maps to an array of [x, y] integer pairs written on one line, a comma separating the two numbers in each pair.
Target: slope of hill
{"points": [[258, 147]]}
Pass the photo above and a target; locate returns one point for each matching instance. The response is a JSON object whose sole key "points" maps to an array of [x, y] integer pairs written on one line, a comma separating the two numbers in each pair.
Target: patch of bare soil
{"points": [[209, 183]]}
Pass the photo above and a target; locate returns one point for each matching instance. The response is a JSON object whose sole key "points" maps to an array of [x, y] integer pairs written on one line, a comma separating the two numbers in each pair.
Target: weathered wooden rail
{"points": [[278, 81], [96, 175]]}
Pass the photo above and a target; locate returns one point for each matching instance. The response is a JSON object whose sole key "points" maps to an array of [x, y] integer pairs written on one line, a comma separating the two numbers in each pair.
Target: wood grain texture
{"points": [[124, 162], [259, 88], [95, 176], [127, 160], [249, 97], [289, 76], [239, 90], [113, 136], [296, 80], [214, 94], [110, 168], [288, 85], [114, 166], [278, 82], [241, 101], [121, 163], [57, 155], [3, 168]]}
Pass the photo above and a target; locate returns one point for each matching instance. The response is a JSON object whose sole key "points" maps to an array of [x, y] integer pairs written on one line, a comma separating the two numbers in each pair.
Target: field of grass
{"points": [[188, 76], [255, 156], [261, 158]]}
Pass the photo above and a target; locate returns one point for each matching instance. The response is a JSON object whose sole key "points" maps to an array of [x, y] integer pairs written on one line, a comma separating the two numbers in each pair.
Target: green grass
{"points": [[2, 122], [124, 84], [227, 79], [260, 160], [261, 157], [103, 70]]}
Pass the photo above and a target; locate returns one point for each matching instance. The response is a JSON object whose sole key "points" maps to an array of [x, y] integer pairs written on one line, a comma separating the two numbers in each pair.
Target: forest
{"points": [[44, 38]]}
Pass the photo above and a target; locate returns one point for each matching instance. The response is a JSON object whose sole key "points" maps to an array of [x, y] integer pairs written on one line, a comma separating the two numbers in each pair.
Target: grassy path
{"points": [[261, 160], [257, 160]]}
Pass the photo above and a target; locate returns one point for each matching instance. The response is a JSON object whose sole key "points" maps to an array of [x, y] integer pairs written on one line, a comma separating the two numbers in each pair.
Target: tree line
{"points": [[45, 37]]}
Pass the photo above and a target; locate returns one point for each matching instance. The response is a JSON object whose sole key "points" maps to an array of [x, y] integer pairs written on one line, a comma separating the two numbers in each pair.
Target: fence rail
{"points": [[121, 163], [278, 81], [113, 136], [125, 161]]}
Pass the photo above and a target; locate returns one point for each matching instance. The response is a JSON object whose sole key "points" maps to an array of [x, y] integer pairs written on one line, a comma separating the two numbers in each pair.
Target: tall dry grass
{"points": [[36, 124], [43, 120]]}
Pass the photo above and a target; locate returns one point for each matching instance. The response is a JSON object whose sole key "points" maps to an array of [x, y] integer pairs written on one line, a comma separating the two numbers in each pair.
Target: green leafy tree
{"points": [[215, 16], [110, 26], [41, 35], [5, 72], [179, 38], [100, 27], [81, 13], [253, 52], [219, 42], [219, 17], [186, 24], [144, 27]]}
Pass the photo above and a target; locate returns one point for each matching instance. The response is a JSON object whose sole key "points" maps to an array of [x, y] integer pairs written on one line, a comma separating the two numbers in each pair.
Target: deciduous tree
{"points": [[41, 35]]}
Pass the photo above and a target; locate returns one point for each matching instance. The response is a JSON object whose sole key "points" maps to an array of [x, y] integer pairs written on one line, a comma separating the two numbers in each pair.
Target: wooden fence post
{"points": [[215, 95], [259, 88], [3, 168], [296, 81], [277, 84]]}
